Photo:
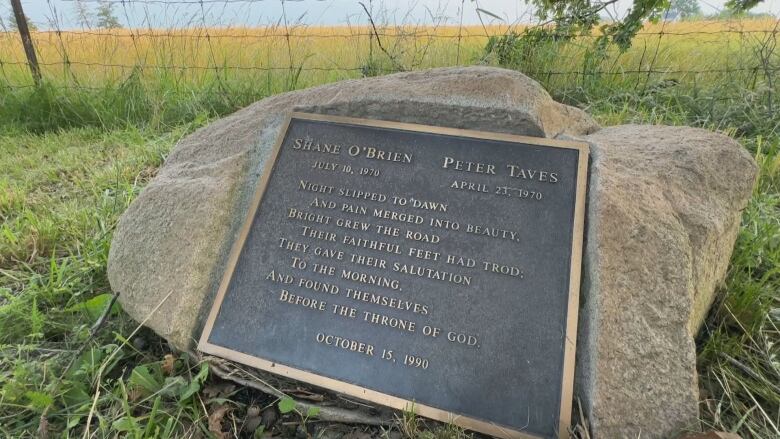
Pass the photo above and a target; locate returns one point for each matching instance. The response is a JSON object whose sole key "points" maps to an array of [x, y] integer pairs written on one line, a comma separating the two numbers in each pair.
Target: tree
{"points": [[685, 9], [742, 5], [82, 13], [573, 17], [105, 17], [12, 26]]}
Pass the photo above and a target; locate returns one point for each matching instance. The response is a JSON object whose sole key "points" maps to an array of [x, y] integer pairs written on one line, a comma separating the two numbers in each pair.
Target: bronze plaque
{"points": [[402, 263]]}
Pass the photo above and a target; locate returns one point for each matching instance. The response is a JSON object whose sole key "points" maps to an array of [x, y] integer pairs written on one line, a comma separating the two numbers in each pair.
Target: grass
{"points": [[76, 151], [198, 55], [739, 349], [164, 77], [62, 194]]}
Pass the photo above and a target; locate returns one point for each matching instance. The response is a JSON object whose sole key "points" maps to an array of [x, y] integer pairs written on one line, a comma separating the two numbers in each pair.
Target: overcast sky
{"points": [[168, 13]]}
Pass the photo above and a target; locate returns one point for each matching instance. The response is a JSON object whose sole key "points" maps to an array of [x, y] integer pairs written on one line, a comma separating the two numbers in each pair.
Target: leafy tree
{"points": [[14, 27], [82, 13], [574, 17], [105, 18], [742, 5], [581, 16], [685, 9]]}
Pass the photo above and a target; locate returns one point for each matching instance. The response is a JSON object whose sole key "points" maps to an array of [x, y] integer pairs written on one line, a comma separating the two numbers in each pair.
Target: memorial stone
{"points": [[663, 210]]}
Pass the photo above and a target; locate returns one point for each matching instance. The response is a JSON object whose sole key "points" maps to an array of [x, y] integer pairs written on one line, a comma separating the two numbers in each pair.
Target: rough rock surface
{"points": [[664, 207], [175, 236], [663, 213]]}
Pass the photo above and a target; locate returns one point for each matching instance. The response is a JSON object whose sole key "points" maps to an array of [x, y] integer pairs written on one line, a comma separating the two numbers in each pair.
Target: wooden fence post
{"points": [[24, 32]]}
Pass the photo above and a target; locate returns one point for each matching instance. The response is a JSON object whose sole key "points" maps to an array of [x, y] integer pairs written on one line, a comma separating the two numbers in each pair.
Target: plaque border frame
{"points": [[357, 391]]}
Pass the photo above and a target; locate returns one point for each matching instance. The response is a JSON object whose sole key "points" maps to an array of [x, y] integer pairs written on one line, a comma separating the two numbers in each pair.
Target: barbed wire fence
{"points": [[200, 43]]}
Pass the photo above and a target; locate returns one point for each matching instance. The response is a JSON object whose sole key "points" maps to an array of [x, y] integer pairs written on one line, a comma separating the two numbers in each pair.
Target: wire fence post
{"points": [[24, 32]]}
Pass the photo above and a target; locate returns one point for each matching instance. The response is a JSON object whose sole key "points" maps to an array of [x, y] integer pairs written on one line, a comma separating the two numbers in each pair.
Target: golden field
{"points": [[314, 55]]}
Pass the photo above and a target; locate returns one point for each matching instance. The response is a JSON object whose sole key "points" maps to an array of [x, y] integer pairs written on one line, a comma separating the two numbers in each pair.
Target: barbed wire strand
{"points": [[294, 32]]}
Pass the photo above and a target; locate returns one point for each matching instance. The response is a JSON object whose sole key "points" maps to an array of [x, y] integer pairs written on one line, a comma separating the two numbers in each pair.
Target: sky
{"points": [[182, 13]]}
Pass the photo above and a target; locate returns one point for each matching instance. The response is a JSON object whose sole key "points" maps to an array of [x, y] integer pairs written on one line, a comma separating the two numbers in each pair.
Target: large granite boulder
{"points": [[664, 208], [175, 236], [663, 212]]}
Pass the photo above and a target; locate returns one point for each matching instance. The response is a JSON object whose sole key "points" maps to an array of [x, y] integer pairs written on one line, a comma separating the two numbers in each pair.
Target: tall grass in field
{"points": [[76, 150], [166, 76], [94, 58]]}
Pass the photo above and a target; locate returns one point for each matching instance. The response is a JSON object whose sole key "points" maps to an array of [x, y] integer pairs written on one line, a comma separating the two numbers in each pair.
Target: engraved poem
{"points": [[427, 266]]}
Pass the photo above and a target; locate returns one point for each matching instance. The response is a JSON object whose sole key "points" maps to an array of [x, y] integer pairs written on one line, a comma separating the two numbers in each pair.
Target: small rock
{"points": [[139, 343], [253, 419], [253, 412], [252, 424]]}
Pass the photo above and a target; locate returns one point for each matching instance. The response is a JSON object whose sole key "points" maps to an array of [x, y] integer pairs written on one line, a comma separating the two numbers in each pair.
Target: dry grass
{"points": [[197, 55]]}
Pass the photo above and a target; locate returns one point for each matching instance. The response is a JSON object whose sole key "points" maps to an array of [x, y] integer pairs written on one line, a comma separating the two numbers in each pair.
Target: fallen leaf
{"points": [[215, 421], [168, 364]]}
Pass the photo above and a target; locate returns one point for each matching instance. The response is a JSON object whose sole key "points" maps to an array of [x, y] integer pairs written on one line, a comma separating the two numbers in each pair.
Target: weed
{"points": [[414, 427]]}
